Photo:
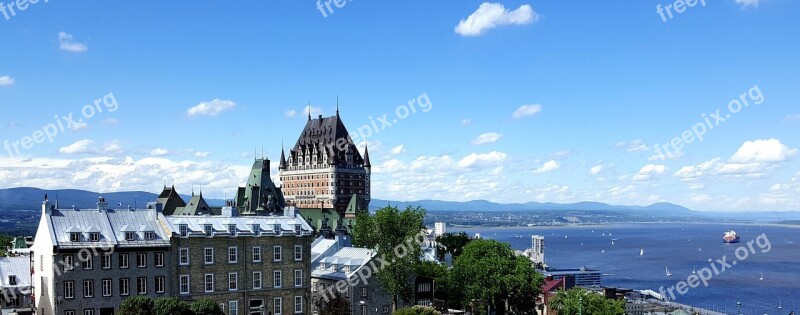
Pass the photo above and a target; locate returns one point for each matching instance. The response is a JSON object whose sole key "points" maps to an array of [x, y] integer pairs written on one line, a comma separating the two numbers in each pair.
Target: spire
{"points": [[282, 166], [309, 110], [337, 105], [366, 156]]}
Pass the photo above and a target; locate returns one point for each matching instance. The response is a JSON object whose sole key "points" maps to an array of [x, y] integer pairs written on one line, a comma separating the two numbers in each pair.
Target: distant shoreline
{"points": [[585, 226]]}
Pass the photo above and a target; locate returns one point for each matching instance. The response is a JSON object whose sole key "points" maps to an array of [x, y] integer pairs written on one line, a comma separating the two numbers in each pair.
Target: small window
{"points": [[184, 230], [12, 280], [209, 229], [106, 287], [233, 255], [123, 261], [364, 292], [233, 281], [88, 288], [149, 235], [141, 285], [298, 278], [256, 279], [183, 284], [298, 252], [256, 229], [278, 282], [130, 236], [257, 254], [160, 284], [277, 306], [159, 260], [141, 260], [232, 229], [105, 261], [208, 283], [183, 256], [276, 253], [298, 304], [74, 237], [94, 237], [69, 289]]}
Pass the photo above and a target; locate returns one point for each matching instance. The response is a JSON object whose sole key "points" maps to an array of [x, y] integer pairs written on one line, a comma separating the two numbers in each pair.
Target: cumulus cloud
{"points": [[650, 171], [110, 121], [202, 154], [159, 152], [547, 166], [526, 110], [479, 160], [492, 15], [632, 146], [66, 42], [6, 80], [398, 149], [747, 3], [597, 169], [753, 159], [86, 146], [489, 137], [211, 108], [290, 113]]}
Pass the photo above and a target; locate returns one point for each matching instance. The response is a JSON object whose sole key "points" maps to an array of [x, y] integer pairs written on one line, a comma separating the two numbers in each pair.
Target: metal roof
{"points": [[110, 224], [245, 225], [20, 267], [333, 266]]}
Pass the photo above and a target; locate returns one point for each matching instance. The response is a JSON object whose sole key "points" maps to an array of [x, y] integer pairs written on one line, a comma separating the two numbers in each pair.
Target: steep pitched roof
{"points": [[323, 133]]}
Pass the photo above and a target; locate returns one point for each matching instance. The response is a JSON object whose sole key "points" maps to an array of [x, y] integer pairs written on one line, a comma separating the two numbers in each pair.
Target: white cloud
{"points": [[466, 122], [597, 169], [489, 137], [315, 111], [202, 154], [650, 171], [762, 151], [620, 190], [526, 110], [753, 159], [67, 43], [159, 152], [86, 146], [110, 121], [6, 80], [547, 166], [491, 15], [398, 149], [77, 126], [477, 160], [747, 3], [290, 113], [632, 146], [791, 117], [211, 108]]}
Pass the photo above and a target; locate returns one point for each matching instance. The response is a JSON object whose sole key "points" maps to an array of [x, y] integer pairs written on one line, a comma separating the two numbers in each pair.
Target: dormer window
{"points": [[298, 229], [130, 236], [347, 269], [232, 229], [256, 229], [183, 229], [277, 228], [74, 237], [149, 235], [94, 237], [209, 229], [12, 280]]}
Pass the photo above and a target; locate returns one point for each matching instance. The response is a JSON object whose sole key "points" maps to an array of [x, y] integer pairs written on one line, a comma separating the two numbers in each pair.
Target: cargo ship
{"points": [[730, 237]]}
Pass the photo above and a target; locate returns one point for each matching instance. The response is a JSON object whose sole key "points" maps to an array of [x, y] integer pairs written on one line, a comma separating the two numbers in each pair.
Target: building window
{"points": [[298, 278], [124, 286], [106, 287], [233, 307], [69, 289], [277, 276], [183, 256], [385, 310], [208, 253], [69, 312], [149, 235], [88, 288], [123, 261], [298, 252], [277, 306], [74, 237], [88, 312], [209, 229], [87, 261], [141, 260], [130, 236], [208, 283], [257, 254], [276, 253], [233, 281], [364, 292], [233, 255], [69, 262], [298, 304], [105, 262], [183, 284], [256, 229], [256, 279], [232, 229], [141, 285], [94, 237], [184, 230], [363, 310], [160, 284], [423, 287], [159, 259]]}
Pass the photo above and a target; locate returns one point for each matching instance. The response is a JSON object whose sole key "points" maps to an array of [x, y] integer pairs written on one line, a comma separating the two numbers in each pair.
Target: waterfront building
{"points": [[584, 277], [439, 228]]}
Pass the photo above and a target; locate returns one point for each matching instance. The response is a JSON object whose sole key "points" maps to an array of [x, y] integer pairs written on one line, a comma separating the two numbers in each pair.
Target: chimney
{"points": [[46, 205], [230, 212], [289, 211], [102, 205]]}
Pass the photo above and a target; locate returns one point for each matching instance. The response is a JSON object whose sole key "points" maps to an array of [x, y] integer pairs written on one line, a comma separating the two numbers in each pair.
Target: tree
{"points": [[206, 307], [5, 243], [137, 305], [489, 275], [441, 280], [452, 243], [579, 301], [171, 306], [417, 310], [338, 305], [392, 233]]}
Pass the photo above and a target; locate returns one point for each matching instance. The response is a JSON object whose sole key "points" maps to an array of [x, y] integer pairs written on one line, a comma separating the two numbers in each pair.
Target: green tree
{"points": [[441, 280], [452, 243], [137, 305], [392, 233], [338, 305], [171, 306], [417, 310], [579, 301], [206, 307], [489, 275], [5, 243]]}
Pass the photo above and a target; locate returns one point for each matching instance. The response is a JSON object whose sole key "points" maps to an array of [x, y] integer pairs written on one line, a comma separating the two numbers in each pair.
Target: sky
{"points": [[624, 102]]}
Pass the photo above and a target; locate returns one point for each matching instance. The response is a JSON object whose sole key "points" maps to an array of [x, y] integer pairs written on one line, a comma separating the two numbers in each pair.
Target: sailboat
{"points": [[694, 270], [762, 276], [602, 251], [612, 242], [699, 249], [779, 303], [669, 274], [641, 252]]}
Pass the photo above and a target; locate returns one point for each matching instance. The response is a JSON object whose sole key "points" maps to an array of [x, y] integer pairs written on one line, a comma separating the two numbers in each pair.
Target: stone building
{"points": [[88, 261], [324, 169], [248, 264]]}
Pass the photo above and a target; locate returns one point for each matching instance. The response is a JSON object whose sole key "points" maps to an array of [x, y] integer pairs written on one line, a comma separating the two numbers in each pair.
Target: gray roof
{"points": [[15, 266], [245, 225], [334, 266], [110, 224]]}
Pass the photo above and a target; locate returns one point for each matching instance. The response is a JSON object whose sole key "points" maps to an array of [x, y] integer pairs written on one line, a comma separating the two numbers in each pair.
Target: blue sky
{"points": [[595, 87]]}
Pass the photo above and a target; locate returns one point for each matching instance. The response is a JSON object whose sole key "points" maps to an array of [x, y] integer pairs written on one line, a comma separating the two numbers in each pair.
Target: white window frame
{"points": [[139, 288], [161, 284], [256, 254], [124, 261], [106, 285], [208, 279], [206, 256], [298, 252], [277, 253], [233, 281], [88, 288], [298, 302], [69, 289], [234, 254], [277, 306], [159, 259], [105, 261], [277, 281], [183, 256], [298, 275], [183, 230], [233, 307], [183, 280], [257, 279], [125, 290], [141, 260], [69, 262]]}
